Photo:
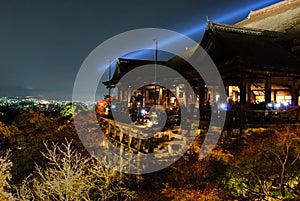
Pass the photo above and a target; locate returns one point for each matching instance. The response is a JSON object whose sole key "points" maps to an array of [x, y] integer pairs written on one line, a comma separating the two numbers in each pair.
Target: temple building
{"points": [[254, 66], [258, 60], [282, 17]]}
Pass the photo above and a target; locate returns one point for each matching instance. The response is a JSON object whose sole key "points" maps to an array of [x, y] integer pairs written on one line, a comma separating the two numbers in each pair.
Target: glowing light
{"points": [[223, 106], [269, 105], [148, 51], [143, 111]]}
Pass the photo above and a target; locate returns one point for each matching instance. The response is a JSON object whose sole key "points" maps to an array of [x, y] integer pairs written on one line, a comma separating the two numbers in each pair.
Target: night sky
{"points": [[43, 43]]}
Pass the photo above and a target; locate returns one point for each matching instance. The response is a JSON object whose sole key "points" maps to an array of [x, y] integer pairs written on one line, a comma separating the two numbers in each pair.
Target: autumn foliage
{"points": [[254, 164]]}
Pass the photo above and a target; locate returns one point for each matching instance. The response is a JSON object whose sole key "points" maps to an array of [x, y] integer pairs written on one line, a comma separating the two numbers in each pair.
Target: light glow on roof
{"points": [[199, 28]]}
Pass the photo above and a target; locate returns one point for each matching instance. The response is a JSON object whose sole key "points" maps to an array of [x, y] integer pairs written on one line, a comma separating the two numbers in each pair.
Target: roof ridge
{"points": [[245, 30], [271, 8]]}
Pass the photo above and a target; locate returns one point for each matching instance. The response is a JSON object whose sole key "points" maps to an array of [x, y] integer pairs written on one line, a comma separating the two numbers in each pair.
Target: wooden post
{"points": [[295, 93], [248, 92], [160, 95], [143, 96], [268, 89], [120, 94], [147, 96], [243, 89], [201, 94], [129, 96]]}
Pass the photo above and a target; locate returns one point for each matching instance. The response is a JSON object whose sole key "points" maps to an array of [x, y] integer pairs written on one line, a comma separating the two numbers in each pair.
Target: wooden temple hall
{"points": [[258, 60]]}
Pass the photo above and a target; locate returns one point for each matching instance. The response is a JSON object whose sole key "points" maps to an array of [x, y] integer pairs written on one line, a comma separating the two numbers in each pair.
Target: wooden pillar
{"points": [[201, 94], [243, 90], [125, 92], [177, 92], [160, 96], [296, 97], [167, 98], [147, 94], [275, 95], [184, 97], [295, 93], [206, 95], [120, 94], [248, 93], [227, 91], [188, 97], [129, 96], [268, 89], [143, 96]]}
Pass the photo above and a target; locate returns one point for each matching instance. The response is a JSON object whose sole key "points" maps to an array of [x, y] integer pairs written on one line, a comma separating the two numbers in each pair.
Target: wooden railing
{"points": [[244, 118], [122, 134], [176, 140]]}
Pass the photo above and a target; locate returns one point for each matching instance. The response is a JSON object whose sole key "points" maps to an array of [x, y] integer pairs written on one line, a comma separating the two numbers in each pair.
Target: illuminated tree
{"points": [[67, 110], [268, 166], [70, 176], [5, 177]]}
